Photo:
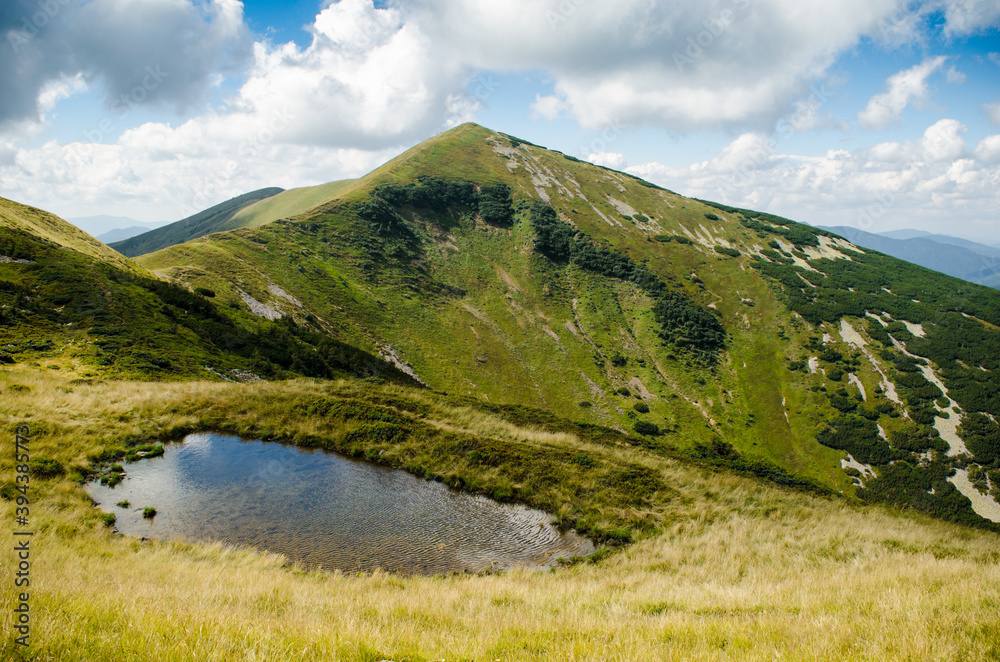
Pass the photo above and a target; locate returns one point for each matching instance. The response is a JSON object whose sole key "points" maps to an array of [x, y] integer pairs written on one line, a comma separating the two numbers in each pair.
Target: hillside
{"points": [[499, 271], [51, 229], [763, 426], [286, 204], [72, 302], [967, 260], [213, 219]]}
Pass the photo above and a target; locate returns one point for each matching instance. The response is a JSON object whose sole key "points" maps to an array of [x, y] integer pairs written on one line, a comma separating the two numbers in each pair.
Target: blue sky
{"points": [[872, 113]]}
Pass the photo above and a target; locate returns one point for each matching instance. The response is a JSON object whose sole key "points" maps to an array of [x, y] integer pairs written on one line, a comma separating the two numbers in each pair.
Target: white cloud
{"points": [[956, 76], [676, 65], [964, 17], [992, 111], [548, 107], [942, 141], [615, 160], [56, 90], [930, 183], [115, 44], [902, 89], [988, 149], [157, 173]]}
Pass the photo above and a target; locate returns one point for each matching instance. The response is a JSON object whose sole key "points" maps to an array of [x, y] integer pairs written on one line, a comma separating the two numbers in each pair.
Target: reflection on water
{"points": [[322, 509]]}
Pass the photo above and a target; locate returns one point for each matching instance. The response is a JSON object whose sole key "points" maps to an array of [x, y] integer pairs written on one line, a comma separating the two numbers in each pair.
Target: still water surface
{"points": [[322, 509]]}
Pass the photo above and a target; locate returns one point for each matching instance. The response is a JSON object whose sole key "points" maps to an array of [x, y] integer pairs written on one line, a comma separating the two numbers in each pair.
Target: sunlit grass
{"points": [[736, 570]]}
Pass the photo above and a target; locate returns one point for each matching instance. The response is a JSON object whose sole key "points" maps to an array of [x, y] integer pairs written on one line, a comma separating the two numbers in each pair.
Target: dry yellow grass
{"points": [[741, 571]]}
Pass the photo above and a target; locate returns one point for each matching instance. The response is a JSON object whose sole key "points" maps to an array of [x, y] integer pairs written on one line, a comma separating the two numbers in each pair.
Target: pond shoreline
{"points": [[339, 512]]}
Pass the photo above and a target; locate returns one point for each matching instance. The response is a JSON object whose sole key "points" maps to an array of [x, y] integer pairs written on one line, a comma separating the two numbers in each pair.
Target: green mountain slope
{"points": [[75, 304], [286, 204], [52, 229], [505, 273], [203, 223]]}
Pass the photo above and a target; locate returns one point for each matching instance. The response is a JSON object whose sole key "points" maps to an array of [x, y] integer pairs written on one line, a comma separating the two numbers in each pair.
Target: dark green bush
{"points": [[982, 438], [646, 428], [205, 292], [859, 437], [495, 205], [641, 407], [45, 468], [731, 252]]}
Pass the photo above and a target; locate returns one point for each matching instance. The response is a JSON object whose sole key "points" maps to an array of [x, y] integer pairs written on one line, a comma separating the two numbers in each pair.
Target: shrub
{"points": [[982, 438], [836, 374], [712, 217], [647, 429], [845, 405], [859, 437], [641, 407], [917, 439], [109, 519], [585, 404], [831, 356], [619, 361], [149, 512], [205, 292], [552, 236], [731, 252], [45, 468], [495, 205]]}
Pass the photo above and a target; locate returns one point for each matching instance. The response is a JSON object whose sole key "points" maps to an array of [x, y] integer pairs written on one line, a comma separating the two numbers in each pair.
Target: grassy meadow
{"points": [[720, 566]]}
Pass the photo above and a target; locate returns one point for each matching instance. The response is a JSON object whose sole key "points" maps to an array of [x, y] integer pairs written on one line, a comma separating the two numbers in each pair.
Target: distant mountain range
{"points": [[121, 234], [968, 260], [110, 228]]}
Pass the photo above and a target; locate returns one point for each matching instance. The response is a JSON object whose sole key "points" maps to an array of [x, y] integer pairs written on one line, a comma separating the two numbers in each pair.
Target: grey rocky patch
{"points": [[259, 309]]}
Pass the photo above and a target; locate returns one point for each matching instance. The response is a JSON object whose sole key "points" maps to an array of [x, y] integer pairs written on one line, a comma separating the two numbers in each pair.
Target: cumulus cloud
{"points": [[116, 44], [372, 80], [145, 176], [615, 160], [548, 107], [964, 17], [902, 89], [675, 65], [988, 149], [930, 182]]}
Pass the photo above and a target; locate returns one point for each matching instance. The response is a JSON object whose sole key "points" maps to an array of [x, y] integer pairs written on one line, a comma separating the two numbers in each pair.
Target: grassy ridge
{"points": [[520, 329], [285, 205], [727, 567], [203, 223]]}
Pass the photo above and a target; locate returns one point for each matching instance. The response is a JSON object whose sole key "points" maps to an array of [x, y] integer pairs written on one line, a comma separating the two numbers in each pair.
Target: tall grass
{"points": [[734, 569]]}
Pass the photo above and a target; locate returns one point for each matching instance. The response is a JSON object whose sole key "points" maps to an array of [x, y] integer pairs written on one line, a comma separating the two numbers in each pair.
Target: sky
{"points": [[877, 114]]}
